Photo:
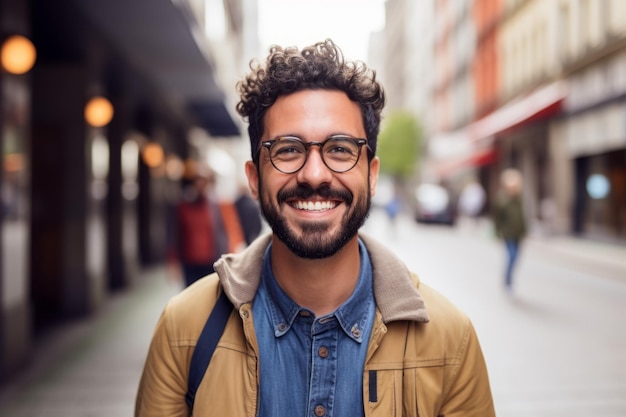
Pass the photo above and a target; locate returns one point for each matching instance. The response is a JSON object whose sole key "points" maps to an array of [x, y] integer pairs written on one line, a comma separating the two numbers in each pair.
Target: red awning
{"points": [[475, 159], [535, 106]]}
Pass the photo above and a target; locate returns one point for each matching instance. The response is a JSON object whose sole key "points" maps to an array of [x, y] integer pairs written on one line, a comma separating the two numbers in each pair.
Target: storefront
{"points": [[594, 132]]}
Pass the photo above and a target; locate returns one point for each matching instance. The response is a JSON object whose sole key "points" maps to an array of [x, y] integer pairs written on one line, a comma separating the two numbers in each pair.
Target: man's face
{"points": [[314, 211]]}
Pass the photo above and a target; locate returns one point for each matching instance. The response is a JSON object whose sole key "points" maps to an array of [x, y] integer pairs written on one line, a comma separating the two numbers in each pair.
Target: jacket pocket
{"points": [[383, 393], [409, 392]]}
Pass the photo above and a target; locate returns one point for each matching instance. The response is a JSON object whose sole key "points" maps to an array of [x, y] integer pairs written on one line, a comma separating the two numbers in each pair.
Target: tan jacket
{"points": [[420, 363]]}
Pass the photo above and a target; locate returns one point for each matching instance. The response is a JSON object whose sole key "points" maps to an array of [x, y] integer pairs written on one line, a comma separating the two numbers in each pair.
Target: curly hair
{"points": [[320, 66]]}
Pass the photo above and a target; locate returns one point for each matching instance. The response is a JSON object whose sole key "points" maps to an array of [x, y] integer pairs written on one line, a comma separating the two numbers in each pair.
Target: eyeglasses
{"points": [[339, 153]]}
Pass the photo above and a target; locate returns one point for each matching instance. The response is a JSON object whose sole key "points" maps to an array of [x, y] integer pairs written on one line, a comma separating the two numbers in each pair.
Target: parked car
{"points": [[434, 205]]}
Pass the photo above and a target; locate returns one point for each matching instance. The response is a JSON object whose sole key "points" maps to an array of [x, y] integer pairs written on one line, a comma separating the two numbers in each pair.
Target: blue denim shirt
{"points": [[312, 366]]}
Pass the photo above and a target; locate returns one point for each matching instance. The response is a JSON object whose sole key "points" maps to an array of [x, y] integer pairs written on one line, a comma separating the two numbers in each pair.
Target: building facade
{"points": [[94, 136], [548, 99]]}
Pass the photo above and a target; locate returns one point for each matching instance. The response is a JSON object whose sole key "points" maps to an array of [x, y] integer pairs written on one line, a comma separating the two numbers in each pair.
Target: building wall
{"points": [[15, 229], [592, 132], [396, 55], [487, 15], [528, 48], [83, 208]]}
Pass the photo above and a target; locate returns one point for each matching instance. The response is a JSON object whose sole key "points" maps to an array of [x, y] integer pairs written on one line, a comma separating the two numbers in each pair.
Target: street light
{"points": [[18, 54], [152, 154], [98, 111]]}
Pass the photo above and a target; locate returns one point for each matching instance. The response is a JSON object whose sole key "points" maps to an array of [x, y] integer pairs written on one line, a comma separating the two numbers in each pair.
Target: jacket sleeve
{"points": [[468, 393], [163, 383]]}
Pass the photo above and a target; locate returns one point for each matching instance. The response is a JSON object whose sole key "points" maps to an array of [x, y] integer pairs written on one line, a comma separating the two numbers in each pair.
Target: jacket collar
{"points": [[395, 287]]}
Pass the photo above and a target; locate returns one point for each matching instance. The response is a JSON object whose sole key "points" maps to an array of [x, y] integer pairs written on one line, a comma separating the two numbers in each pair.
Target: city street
{"points": [[555, 347]]}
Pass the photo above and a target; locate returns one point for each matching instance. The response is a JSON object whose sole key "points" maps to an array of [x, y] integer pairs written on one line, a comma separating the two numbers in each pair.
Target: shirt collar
{"points": [[352, 315]]}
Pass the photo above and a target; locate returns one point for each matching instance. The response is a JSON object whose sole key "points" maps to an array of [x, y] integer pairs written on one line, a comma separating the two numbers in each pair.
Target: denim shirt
{"points": [[312, 366]]}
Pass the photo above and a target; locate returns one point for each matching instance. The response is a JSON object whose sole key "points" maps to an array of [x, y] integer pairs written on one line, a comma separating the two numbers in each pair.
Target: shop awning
{"points": [[476, 158], [537, 105], [472, 144], [161, 38]]}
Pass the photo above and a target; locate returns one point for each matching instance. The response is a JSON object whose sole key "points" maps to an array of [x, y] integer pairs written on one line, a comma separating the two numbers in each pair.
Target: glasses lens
{"points": [[340, 154], [288, 154]]}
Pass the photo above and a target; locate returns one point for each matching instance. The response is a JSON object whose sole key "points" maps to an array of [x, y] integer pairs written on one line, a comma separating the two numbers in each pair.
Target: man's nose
{"points": [[314, 172]]}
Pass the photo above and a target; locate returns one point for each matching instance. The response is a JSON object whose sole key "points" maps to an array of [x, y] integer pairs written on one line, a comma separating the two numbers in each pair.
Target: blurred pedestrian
{"points": [[509, 220], [199, 235], [472, 199], [392, 208], [249, 214], [327, 321]]}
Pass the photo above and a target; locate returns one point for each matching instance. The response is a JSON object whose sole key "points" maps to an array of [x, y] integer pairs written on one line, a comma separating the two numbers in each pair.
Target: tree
{"points": [[399, 144]]}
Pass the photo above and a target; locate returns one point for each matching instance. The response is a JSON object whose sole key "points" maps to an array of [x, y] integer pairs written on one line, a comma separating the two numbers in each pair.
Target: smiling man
{"points": [[326, 321]]}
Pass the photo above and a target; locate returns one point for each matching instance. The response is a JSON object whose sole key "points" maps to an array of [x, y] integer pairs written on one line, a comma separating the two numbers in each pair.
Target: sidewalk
{"points": [[602, 259], [92, 367], [598, 258]]}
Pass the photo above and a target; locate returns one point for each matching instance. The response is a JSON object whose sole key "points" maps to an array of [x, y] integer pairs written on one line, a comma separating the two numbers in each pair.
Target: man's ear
{"points": [[253, 179], [374, 168]]}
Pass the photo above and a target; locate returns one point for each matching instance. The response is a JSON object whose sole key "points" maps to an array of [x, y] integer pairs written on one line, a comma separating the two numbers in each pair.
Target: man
{"points": [[327, 322]]}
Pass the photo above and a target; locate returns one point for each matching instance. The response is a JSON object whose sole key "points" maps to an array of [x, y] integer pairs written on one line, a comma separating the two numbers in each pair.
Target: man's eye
{"points": [[339, 149], [288, 150]]}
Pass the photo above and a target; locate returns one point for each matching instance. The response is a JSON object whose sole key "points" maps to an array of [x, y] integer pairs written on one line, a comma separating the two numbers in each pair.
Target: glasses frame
{"points": [[359, 142]]}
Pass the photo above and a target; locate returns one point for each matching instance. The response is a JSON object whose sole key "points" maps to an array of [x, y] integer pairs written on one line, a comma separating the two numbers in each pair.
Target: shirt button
{"points": [[282, 327], [320, 411], [356, 332], [305, 313], [323, 352]]}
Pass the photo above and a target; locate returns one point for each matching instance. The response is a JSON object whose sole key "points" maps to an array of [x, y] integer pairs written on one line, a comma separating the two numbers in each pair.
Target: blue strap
{"points": [[206, 344]]}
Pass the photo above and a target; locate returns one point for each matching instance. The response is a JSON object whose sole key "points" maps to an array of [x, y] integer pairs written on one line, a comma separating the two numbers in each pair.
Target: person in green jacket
{"points": [[509, 221]]}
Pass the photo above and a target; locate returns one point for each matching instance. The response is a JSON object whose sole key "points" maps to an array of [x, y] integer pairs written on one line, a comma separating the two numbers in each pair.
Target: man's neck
{"points": [[321, 285]]}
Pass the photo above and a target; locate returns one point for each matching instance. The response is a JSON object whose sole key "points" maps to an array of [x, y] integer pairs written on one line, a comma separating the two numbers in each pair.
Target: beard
{"points": [[314, 241]]}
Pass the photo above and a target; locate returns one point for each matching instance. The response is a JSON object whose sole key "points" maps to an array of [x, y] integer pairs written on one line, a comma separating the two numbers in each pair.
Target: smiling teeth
{"points": [[315, 206]]}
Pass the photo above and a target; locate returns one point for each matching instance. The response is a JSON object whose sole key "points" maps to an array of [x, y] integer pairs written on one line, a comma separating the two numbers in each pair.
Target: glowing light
{"points": [[98, 112], [152, 154], [174, 168], [13, 162], [18, 54], [598, 186]]}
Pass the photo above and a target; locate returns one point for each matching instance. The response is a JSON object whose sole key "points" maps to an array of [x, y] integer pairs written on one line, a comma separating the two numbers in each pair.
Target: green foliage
{"points": [[399, 144]]}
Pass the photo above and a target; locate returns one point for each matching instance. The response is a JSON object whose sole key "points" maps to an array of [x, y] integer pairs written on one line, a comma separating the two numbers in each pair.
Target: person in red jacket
{"points": [[199, 237]]}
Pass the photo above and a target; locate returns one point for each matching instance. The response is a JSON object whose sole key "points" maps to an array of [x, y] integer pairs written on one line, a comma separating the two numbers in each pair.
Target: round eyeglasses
{"points": [[339, 153]]}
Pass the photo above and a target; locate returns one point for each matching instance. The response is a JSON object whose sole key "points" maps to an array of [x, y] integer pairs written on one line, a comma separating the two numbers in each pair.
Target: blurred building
{"points": [[102, 102], [408, 82], [535, 85], [402, 55]]}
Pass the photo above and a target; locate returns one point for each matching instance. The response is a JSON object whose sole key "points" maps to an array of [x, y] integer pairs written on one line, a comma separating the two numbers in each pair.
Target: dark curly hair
{"points": [[320, 66]]}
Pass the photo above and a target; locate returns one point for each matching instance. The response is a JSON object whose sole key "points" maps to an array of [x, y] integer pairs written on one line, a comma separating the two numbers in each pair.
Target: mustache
{"points": [[305, 192]]}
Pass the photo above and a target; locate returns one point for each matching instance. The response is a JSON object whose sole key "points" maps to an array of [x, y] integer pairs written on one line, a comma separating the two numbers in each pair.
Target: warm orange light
{"points": [[152, 154], [98, 112], [190, 168], [174, 167], [18, 54], [13, 162]]}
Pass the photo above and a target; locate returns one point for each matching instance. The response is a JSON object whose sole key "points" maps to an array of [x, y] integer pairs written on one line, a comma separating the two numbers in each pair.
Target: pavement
{"points": [[92, 367]]}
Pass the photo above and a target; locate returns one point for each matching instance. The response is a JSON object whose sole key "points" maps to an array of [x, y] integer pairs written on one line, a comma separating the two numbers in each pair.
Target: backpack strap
{"points": [[206, 344]]}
